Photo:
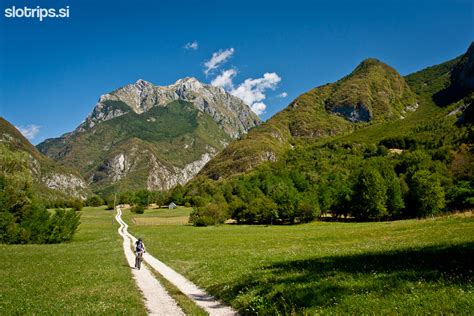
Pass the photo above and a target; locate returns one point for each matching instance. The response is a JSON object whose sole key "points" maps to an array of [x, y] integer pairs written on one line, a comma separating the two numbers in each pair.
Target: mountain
{"points": [[373, 145], [461, 80], [373, 93], [142, 135], [51, 181]]}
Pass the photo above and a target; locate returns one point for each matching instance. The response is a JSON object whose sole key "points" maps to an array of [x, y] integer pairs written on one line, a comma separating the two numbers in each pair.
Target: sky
{"points": [[53, 71]]}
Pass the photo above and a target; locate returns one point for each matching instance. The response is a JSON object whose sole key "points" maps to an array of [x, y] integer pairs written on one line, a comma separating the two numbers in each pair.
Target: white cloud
{"points": [[191, 45], [282, 95], [217, 59], [252, 91], [258, 107], [29, 131], [224, 80]]}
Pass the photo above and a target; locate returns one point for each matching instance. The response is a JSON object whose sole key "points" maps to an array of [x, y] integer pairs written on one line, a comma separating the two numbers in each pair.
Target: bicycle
{"points": [[139, 259]]}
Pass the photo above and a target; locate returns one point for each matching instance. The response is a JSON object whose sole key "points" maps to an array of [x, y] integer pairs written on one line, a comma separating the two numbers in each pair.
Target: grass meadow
{"points": [[401, 267], [88, 275], [163, 216]]}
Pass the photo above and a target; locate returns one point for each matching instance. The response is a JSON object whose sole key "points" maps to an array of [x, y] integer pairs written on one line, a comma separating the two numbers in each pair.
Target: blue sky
{"points": [[52, 72]]}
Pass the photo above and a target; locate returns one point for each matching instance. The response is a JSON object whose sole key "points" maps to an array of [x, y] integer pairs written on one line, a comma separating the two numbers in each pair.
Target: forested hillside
{"points": [[400, 165]]}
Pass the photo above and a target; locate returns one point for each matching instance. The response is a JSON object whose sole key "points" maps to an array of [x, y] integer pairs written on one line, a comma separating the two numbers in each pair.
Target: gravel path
{"points": [[157, 300], [199, 296]]}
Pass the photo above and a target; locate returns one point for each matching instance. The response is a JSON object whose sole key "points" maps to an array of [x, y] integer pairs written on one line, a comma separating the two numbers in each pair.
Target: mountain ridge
{"points": [[325, 111], [137, 134]]}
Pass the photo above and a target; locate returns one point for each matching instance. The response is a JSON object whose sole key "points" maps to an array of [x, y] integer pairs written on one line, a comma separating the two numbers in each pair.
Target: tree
{"points": [[95, 200], [211, 214], [158, 197], [22, 218], [369, 195], [262, 210], [141, 198], [177, 195], [461, 196], [308, 208], [426, 193], [286, 198]]}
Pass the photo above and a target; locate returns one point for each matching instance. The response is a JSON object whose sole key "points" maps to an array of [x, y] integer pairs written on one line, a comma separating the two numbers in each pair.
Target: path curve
{"points": [[199, 296], [157, 300]]}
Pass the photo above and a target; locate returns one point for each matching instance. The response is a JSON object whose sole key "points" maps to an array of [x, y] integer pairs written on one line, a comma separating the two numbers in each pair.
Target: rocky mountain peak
{"points": [[230, 112], [188, 84], [143, 84]]}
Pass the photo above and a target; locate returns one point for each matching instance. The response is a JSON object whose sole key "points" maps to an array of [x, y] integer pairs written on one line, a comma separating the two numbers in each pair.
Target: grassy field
{"points": [[163, 216], [88, 275], [402, 267]]}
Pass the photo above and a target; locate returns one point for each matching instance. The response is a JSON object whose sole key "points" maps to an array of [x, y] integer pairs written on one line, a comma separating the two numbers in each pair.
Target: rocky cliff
{"points": [[229, 112]]}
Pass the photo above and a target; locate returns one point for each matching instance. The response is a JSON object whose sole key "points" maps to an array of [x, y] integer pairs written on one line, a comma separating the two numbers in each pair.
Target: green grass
{"points": [[186, 304], [88, 275], [403, 267], [166, 212], [162, 216]]}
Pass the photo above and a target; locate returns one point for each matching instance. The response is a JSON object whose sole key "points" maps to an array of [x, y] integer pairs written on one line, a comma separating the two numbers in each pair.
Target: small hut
{"points": [[172, 206]]}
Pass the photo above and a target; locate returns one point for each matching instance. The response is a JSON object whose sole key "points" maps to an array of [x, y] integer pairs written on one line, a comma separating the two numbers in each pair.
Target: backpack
{"points": [[139, 246]]}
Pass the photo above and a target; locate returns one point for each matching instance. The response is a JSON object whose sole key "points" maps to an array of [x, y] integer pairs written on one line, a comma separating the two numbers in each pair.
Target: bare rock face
{"points": [[66, 183], [230, 112], [357, 113], [160, 175]]}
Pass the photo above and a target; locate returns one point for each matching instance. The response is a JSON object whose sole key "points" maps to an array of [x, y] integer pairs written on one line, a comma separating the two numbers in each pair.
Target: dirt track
{"points": [[157, 300]]}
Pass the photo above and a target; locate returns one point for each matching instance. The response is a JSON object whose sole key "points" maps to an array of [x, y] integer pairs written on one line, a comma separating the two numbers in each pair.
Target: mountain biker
{"points": [[139, 250]]}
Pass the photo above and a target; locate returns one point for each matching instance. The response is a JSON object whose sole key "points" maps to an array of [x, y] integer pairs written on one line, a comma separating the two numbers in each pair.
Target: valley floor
{"points": [[408, 267], [88, 275], [402, 267]]}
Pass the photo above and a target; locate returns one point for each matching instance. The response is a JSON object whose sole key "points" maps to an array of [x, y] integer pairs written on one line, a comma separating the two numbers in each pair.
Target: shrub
{"points": [[461, 196], [138, 209], [95, 200], [75, 204], [211, 214], [62, 225]]}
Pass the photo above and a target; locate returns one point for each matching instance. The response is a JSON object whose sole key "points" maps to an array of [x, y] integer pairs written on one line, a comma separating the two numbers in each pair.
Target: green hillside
{"points": [[373, 93], [413, 166], [173, 136], [44, 169]]}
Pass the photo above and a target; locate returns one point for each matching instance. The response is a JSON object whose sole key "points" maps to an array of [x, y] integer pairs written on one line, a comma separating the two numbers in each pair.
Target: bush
{"points": [[62, 225], [76, 205], [211, 214], [95, 201], [138, 209], [461, 196]]}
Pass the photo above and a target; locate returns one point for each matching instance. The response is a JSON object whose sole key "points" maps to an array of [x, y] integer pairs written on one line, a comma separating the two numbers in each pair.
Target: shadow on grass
{"points": [[285, 287]]}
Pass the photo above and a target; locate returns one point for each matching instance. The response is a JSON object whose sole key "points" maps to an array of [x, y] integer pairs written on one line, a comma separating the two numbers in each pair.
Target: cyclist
{"points": [[139, 250]]}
